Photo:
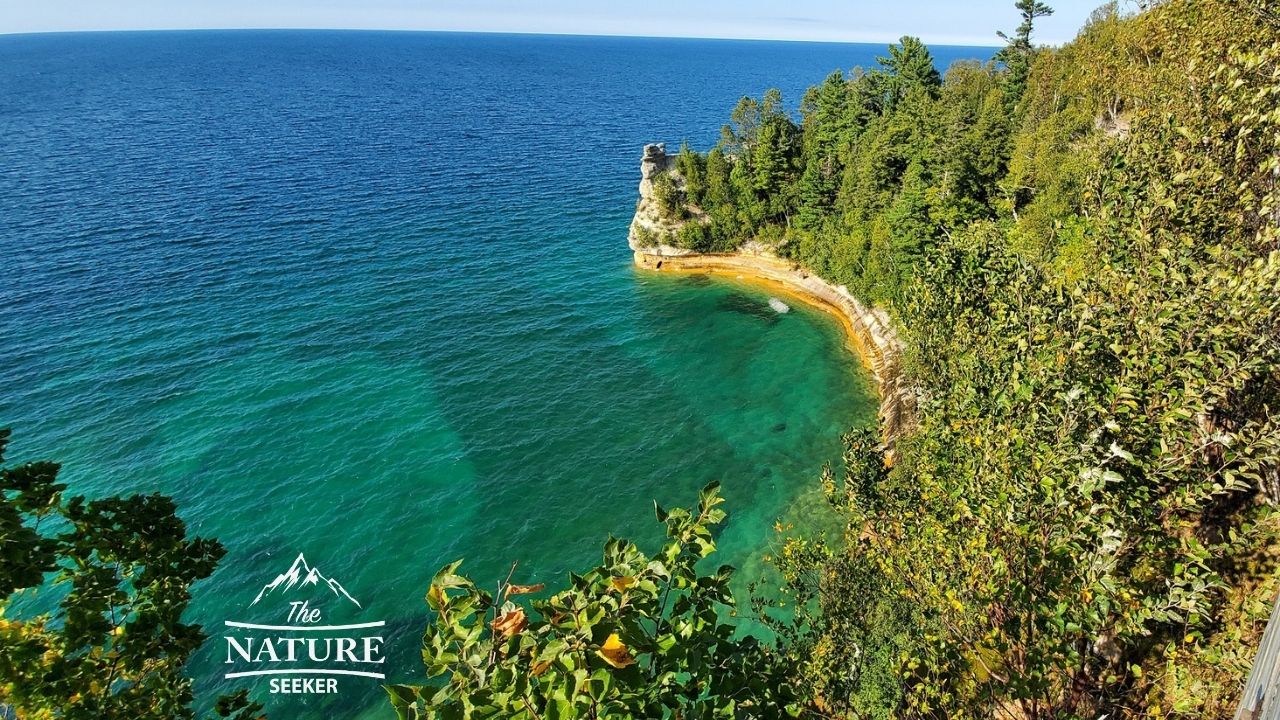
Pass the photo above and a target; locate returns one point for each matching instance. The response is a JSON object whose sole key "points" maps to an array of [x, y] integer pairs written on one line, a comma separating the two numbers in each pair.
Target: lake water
{"points": [[367, 297]]}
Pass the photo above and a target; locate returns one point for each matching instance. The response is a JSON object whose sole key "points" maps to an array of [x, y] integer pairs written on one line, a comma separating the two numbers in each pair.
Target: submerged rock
{"points": [[747, 305], [778, 305]]}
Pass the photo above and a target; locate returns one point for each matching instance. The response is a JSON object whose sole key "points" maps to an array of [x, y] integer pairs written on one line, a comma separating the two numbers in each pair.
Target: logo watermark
{"points": [[303, 653]]}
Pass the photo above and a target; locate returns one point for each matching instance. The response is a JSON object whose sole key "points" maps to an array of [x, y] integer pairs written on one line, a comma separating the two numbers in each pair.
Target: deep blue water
{"points": [[367, 296]]}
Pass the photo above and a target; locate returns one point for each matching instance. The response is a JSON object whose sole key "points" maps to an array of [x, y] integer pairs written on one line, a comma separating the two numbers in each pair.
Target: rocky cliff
{"points": [[868, 327], [650, 228]]}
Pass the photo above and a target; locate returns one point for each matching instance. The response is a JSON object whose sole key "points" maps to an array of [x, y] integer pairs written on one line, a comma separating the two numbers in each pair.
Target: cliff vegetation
{"points": [[1079, 248]]}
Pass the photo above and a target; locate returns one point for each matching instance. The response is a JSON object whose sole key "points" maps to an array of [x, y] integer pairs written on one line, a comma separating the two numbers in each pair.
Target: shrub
{"points": [[637, 637]]}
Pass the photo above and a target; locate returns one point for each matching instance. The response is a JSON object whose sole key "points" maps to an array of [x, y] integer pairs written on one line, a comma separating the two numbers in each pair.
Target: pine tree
{"points": [[909, 65], [719, 192], [692, 167], [1018, 51], [770, 158]]}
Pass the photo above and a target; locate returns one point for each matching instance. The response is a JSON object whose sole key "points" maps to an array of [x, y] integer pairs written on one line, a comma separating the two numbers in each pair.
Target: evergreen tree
{"points": [[739, 136], [719, 191], [769, 160], [816, 190], [692, 167], [1018, 51], [909, 66]]}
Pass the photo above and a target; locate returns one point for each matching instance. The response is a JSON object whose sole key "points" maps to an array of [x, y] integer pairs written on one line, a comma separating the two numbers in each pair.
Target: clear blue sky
{"points": [[960, 22]]}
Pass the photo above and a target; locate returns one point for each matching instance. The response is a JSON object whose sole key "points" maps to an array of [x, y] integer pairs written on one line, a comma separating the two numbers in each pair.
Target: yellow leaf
{"points": [[622, 583], [539, 668], [511, 623], [615, 653], [524, 589]]}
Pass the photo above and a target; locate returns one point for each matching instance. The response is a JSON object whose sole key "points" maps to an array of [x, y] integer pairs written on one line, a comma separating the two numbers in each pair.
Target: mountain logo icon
{"points": [[302, 575]]}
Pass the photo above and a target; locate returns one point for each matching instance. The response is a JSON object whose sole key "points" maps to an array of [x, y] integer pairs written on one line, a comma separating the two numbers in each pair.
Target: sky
{"points": [[945, 22]]}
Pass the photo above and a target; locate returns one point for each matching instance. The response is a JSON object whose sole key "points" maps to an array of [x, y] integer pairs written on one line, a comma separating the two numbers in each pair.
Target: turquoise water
{"points": [[367, 296]]}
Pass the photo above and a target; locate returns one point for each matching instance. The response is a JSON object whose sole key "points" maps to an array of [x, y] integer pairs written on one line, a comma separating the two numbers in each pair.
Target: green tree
{"points": [[771, 160], [909, 220], [694, 236], [739, 136], [827, 121], [816, 191], [750, 211], [693, 168], [115, 646], [1018, 51], [668, 196], [828, 124], [909, 66], [973, 146], [719, 191]]}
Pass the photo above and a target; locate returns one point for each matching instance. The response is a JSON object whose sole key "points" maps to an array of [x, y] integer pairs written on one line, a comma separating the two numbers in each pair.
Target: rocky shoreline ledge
{"points": [[869, 328]]}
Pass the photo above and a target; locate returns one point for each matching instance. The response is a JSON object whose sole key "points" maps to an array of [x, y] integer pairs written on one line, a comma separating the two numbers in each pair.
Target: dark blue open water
{"points": [[367, 296]]}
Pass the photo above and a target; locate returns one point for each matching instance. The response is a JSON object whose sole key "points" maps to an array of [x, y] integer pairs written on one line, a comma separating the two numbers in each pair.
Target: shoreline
{"points": [[867, 330]]}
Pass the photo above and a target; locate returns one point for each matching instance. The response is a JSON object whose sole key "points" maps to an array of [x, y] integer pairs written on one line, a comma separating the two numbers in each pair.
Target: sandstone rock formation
{"points": [[649, 229]]}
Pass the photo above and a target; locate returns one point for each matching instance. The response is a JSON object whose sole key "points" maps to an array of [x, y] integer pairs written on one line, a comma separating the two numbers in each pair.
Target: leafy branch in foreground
{"points": [[637, 637], [115, 646]]}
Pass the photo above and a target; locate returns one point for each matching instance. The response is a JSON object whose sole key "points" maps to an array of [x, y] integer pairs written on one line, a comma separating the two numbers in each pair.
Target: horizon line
{"points": [[19, 33]]}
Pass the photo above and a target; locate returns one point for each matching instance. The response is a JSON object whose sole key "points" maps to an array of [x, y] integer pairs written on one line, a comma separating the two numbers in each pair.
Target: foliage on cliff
{"points": [[1080, 246], [1083, 523]]}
